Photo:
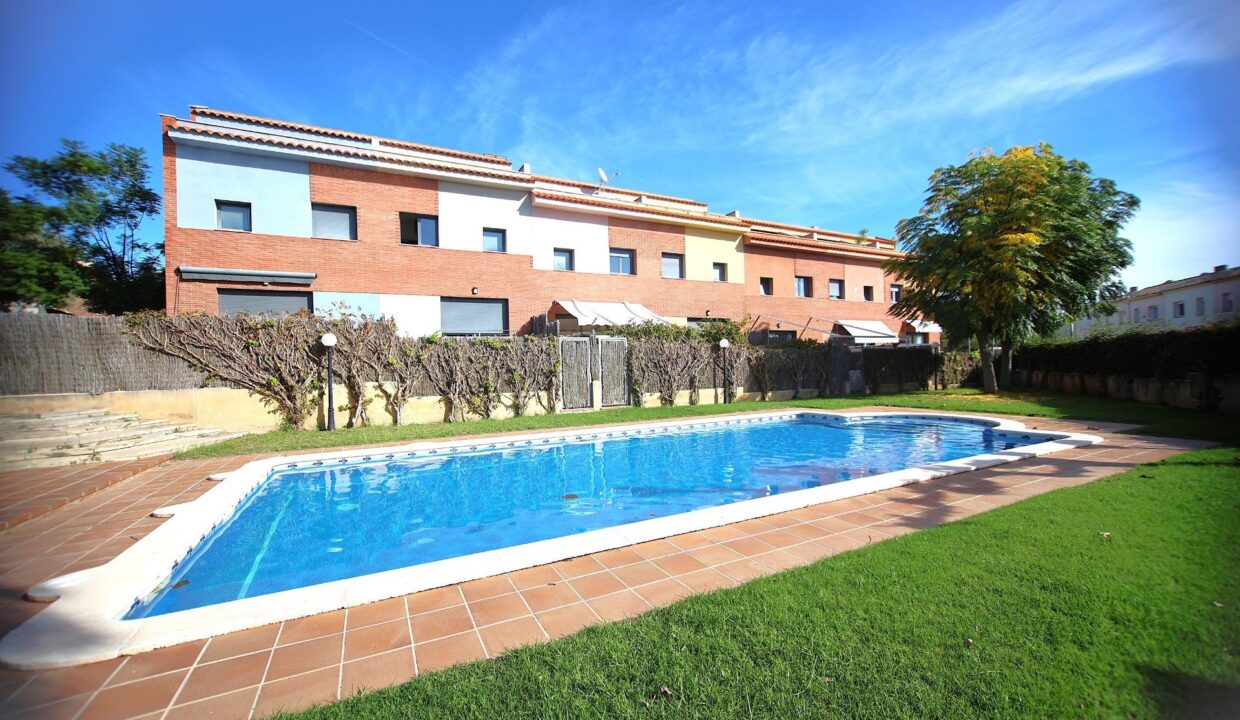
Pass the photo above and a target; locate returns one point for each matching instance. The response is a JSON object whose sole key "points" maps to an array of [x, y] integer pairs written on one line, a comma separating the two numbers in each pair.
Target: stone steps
{"points": [[58, 439]]}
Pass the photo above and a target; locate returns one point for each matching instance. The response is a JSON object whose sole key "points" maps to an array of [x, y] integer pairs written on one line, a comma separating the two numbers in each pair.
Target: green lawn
{"points": [[1120, 598], [1169, 422]]}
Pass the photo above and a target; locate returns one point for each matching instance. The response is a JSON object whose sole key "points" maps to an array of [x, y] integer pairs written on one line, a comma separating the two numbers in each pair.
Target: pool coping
{"points": [[83, 625]]}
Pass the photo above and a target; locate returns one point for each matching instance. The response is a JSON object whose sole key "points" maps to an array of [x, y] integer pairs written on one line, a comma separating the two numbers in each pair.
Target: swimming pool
{"points": [[288, 537], [311, 525]]}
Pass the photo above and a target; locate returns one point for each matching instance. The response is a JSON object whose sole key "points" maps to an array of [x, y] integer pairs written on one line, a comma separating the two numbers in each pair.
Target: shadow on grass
{"points": [[1179, 695]]}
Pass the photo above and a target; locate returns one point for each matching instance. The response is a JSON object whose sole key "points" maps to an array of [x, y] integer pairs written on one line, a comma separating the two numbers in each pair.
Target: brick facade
{"points": [[377, 262]]}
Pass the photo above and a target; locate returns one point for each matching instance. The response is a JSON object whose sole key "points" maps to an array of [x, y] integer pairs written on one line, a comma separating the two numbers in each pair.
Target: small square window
{"points": [[673, 265], [563, 260], [805, 286], [494, 240], [418, 229], [720, 271], [867, 291], [232, 215], [621, 261], [766, 286], [334, 222], [895, 293], [836, 289]]}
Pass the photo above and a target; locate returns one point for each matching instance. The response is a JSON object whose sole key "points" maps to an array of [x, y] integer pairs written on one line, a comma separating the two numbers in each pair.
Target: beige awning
{"points": [[868, 332], [609, 313]]}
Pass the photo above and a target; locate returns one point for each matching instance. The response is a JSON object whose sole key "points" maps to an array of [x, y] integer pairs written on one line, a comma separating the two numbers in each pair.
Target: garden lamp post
{"points": [[329, 342], [727, 386]]}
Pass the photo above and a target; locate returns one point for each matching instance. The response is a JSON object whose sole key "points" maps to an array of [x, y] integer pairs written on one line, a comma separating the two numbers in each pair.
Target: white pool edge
{"points": [[84, 624]]}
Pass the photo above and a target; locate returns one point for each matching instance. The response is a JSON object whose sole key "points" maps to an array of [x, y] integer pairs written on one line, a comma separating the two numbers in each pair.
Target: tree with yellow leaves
{"points": [[1012, 245]]}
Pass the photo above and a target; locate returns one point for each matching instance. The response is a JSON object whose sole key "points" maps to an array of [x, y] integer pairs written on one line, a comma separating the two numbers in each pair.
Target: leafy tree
{"points": [[1009, 246], [35, 267], [98, 201]]}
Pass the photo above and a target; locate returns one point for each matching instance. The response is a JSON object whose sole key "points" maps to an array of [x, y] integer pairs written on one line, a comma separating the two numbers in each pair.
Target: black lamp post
{"points": [[727, 385], [329, 342]]}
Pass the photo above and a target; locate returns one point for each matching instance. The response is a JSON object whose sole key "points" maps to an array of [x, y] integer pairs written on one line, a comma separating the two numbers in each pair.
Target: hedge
{"points": [[1213, 351]]}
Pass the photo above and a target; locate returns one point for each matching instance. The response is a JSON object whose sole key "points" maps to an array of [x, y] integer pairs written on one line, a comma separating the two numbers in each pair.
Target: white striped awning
{"points": [[868, 332], [609, 313]]}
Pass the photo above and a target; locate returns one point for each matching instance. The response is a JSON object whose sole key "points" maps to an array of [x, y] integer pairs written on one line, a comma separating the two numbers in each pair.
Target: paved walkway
{"points": [[29, 493], [322, 658]]}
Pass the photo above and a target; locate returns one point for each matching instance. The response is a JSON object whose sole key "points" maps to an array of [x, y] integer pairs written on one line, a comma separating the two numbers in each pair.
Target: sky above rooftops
{"points": [[830, 114]]}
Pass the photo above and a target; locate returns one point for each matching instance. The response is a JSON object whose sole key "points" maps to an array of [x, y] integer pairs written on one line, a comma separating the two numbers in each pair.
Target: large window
{"points": [[232, 215], [418, 229], [494, 240], [1177, 309], [622, 261], [673, 265], [720, 271], [1200, 306], [473, 316], [766, 286], [1152, 312], [563, 260], [895, 293], [835, 288], [334, 222], [805, 286], [1227, 303]]}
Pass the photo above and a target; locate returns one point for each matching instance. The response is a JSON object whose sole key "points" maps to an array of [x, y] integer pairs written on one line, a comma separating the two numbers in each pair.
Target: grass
{"points": [[1154, 420], [1119, 598]]}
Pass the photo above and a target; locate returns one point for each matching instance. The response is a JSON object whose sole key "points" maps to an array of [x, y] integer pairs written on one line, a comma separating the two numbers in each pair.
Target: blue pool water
{"points": [[314, 525]]}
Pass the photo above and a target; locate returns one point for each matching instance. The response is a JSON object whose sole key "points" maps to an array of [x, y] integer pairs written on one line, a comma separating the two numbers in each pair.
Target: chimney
{"points": [[1220, 268], [734, 213]]}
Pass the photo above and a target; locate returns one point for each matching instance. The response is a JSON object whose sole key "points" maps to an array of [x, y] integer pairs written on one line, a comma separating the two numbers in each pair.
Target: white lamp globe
{"points": [[328, 340], [724, 343]]}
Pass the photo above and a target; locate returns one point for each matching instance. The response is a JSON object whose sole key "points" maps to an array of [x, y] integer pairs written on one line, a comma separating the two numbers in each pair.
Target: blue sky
{"points": [[826, 113]]}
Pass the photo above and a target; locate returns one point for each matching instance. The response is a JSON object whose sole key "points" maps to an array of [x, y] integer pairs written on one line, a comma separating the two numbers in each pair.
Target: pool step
{"points": [[57, 439]]}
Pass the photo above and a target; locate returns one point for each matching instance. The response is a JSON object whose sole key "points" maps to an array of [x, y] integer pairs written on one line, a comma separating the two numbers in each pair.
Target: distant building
{"points": [[1191, 302]]}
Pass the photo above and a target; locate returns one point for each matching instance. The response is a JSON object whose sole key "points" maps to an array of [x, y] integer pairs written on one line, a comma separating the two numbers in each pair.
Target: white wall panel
{"points": [[277, 189]]}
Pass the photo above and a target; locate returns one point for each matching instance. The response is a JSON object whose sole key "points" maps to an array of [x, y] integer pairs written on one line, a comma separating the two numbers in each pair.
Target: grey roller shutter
{"points": [[335, 222], [263, 302], [468, 316]]}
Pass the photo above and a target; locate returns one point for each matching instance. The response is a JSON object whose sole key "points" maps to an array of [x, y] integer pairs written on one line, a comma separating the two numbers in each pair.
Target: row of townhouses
{"points": [[1203, 299], [264, 215]]}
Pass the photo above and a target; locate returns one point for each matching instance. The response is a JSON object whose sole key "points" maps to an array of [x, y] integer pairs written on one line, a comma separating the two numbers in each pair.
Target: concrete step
{"points": [[86, 436], [11, 427], [170, 446]]}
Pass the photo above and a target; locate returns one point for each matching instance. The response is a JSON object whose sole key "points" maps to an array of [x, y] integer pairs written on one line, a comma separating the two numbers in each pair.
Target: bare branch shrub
{"points": [[275, 358], [443, 361], [528, 361], [666, 366], [357, 346], [393, 364]]}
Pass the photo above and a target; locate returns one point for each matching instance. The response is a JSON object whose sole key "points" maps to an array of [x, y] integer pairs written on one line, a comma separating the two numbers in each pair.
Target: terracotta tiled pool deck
{"points": [[322, 658], [26, 494]]}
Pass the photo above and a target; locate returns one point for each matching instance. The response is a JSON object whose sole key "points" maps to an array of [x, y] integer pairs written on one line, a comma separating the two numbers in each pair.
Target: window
{"points": [[895, 293], [334, 222], [766, 286], [473, 316], [1201, 306], [232, 215], [776, 337], [673, 265], [1177, 309], [418, 229], [805, 286], [1136, 314], [867, 291], [835, 288], [622, 261], [563, 260], [1227, 304], [1152, 312], [720, 271], [263, 302], [494, 240]]}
